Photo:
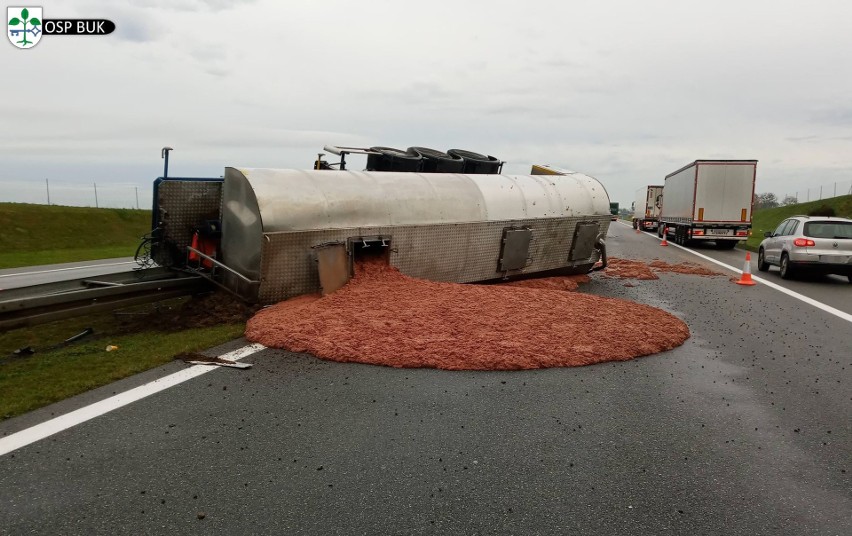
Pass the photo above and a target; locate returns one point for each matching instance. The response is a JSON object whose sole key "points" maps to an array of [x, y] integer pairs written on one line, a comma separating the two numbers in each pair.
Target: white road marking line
{"points": [[66, 269], [801, 297], [63, 422]]}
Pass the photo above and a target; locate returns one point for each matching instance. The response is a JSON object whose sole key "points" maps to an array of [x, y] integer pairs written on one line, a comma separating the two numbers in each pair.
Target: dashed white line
{"points": [[63, 422], [801, 297]]}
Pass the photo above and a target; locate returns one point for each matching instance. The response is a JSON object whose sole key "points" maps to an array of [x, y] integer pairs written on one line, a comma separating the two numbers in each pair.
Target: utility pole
{"points": [[47, 184], [137, 196], [96, 194]]}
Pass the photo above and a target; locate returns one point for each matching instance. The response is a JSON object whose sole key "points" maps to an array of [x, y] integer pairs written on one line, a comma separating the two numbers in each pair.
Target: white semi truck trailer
{"points": [[646, 208], [709, 200]]}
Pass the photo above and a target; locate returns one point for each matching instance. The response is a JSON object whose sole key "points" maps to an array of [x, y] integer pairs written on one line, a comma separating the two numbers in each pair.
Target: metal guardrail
{"points": [[39, 304]]}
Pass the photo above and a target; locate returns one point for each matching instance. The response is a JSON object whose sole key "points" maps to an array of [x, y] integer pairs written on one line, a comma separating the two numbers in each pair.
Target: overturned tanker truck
{"points": [[270, 234]]}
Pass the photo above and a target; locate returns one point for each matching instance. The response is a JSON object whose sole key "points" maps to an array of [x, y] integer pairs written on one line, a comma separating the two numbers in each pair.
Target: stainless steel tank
{"points": [[437, 226]]}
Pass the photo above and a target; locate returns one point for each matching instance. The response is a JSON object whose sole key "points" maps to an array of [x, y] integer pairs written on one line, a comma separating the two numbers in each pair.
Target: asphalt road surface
{"points": [[832, 290], [36, 275], [745, 429]]}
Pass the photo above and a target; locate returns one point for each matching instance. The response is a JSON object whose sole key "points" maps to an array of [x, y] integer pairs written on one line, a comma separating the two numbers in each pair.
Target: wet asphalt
{"points": [[745, 429]]}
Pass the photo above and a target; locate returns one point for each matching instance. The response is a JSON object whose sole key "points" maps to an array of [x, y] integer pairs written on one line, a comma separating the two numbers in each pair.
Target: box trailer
{"points": [[646, 208], [709, 200]]}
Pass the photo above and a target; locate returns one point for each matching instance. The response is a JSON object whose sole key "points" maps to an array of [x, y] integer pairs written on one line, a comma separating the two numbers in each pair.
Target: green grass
{"points": [[768, 219], [41, 234], [53, 374]]}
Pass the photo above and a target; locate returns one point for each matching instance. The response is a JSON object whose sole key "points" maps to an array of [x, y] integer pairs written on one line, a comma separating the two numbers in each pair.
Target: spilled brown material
{"points": [[565, 283], [687, 268], [629, 269], [383, 317]]}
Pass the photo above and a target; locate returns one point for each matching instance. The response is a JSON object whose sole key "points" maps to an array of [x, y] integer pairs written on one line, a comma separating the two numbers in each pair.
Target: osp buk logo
{"points": [[24, 26]]}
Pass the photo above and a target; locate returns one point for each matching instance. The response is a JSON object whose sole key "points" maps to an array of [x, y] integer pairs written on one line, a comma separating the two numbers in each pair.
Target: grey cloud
{"points": [[218, 72], [277, 138], [817, 139], [841, 117], [193, 5], [131, 23], [209, 53], [422, 94], [135, 29], [811, 138]]}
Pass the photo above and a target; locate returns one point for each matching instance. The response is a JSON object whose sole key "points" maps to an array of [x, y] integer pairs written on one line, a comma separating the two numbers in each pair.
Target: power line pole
{"points": [[137, 196], [96, 194], [47, 184]]}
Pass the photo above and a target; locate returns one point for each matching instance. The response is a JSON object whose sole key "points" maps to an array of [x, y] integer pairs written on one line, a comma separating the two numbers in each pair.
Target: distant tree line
{"points": [[770, 200]]}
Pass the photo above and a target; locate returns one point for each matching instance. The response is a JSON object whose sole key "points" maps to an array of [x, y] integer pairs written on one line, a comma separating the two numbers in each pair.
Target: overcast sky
{"points": [[625, 91]]}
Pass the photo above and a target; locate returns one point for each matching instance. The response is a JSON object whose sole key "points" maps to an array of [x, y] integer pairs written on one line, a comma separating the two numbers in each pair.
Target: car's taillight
{"points": [[803, 242]]}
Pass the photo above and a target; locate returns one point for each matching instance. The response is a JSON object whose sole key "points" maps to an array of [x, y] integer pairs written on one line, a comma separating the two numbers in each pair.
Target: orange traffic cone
{"points": [[665, 232], [193, 256], [745, 278]]}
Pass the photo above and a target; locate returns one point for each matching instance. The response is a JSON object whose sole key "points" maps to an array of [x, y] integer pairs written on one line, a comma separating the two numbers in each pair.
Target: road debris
{"points": [[194, 358]]}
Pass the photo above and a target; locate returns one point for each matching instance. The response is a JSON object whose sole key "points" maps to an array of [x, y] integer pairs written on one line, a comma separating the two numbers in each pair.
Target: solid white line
{"points": [[63, 422], [810, 301], [66, 269]]}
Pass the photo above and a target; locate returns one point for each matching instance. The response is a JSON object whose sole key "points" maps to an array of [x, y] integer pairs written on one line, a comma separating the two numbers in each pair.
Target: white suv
{"points": [[817, 244]]}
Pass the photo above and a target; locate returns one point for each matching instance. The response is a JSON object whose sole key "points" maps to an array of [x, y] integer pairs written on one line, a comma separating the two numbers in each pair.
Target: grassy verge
{"points": [[14, 259], [40, 234], [54, 373], [768, 219]]}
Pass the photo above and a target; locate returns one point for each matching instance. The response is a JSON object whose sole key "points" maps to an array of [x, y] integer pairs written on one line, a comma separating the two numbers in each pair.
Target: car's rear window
{"points": [[828, 229]]}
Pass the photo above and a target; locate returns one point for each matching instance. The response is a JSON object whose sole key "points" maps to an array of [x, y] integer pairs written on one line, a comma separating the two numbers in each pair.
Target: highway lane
{"points": [[36, 275], [833, 290], [744, 429]]}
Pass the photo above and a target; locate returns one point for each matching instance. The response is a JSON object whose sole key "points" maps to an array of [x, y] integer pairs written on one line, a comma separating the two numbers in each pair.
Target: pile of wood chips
{"points": [[383, 317]]}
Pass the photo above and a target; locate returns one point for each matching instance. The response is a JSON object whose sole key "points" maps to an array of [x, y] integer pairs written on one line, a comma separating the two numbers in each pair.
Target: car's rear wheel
{"points": [[762, 265], [787, 270]]}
